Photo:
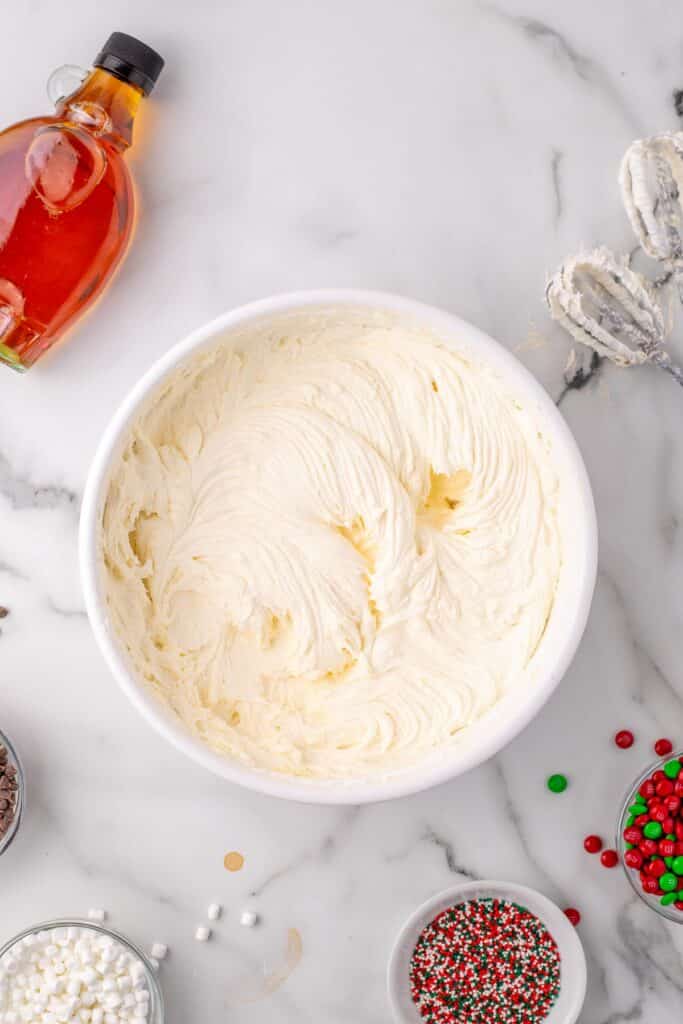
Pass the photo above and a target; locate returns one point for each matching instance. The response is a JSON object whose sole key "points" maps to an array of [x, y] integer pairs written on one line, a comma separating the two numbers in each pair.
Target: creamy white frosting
{"points": [[331, 543]]}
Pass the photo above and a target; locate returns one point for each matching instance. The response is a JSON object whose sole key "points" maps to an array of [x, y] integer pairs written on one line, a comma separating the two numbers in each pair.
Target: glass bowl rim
{"points": [[651, 901], [9, 836], [157, 1003]]}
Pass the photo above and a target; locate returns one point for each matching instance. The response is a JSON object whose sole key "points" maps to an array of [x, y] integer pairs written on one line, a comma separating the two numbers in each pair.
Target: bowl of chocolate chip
{"points": [[11, 792]]}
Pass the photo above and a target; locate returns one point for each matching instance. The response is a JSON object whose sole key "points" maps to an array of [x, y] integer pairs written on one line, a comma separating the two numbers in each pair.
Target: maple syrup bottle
{"points": [[67, 200]]}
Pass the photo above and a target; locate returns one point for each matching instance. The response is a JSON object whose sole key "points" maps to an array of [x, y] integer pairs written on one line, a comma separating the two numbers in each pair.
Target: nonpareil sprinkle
{"points": [[485, 960]]}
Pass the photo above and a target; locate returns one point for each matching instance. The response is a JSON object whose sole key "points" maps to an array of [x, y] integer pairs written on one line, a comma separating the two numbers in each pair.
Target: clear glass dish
{"points": [[671, 913], [6, 840], [156, 1001]]}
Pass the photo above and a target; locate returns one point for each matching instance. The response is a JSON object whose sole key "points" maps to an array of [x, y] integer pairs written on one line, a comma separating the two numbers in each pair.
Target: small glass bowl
{"points": [[156, 1000], [6, 840], [671, 913]]}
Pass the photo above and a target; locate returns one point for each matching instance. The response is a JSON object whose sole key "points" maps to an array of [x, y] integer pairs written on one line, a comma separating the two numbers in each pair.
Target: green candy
{"points": [[668, 882], [557, 783], [677, 865], [669, 861], [668, 898], [653, 830], [672, 768], [628, 846], [631, 820], [636, 809], [670, 836]]}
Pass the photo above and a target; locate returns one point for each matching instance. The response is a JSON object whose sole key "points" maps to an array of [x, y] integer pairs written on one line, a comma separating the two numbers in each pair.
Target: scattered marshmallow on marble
{"points": [[159, 951], [214, 911], [248, 918], [202, 934], [97, 914], [72, 974]]}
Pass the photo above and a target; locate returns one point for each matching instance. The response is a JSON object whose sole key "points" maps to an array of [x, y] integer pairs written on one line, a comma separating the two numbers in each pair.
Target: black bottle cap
{"points": [[130, 60]]}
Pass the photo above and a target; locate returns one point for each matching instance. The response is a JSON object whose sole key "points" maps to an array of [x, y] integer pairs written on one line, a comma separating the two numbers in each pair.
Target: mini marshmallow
{"points": [[159, 950], [72, 975], [214, 911], [97, 914], [202, 934], [248, 918]]}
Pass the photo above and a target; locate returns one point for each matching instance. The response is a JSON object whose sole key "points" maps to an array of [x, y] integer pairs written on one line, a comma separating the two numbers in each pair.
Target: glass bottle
{"points": [[66, 199]]}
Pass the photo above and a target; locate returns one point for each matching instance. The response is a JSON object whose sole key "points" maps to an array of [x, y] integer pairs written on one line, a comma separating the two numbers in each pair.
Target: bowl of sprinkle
{"points": [[485, 951]]}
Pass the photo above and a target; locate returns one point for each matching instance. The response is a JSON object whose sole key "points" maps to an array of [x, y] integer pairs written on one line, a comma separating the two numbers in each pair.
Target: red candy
{"points": [[573, 915], [660, 800], [592, 844], [609, 858], [633, 859]]}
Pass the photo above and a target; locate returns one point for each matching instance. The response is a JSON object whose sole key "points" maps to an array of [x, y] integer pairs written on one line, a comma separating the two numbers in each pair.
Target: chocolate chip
{"points": [[4, 612], [9, 786]]}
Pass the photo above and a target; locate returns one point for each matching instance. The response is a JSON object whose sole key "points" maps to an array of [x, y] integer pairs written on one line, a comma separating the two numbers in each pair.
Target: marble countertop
{"points": [[454, 152]]}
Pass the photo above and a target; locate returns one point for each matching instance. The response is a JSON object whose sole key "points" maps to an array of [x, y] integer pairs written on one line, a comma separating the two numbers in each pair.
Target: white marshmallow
{"points": [[158, 950], [72, 976], [248, 918], [214, 911], [97, 914], [202, 934]]}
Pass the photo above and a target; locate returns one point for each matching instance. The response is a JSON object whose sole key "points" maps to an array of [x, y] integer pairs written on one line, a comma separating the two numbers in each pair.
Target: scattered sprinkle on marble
{"points": [[248, 918], [214, 911], [233, 861], [202, 934]]}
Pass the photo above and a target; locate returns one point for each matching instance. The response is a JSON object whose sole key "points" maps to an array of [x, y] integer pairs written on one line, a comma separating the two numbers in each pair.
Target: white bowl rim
{"points": [[355, 791], [572, 956]]}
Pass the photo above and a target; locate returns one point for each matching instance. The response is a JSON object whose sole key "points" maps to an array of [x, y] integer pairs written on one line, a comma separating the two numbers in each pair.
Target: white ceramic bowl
{"points": [[568, 1005], [558, 645]]}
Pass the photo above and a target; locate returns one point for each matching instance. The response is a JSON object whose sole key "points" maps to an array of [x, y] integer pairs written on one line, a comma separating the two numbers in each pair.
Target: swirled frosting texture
{"points": [[331, 543]]}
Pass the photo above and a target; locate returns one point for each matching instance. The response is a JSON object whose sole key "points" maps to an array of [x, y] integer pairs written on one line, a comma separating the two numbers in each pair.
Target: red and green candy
{"points": [[653, 836]]}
